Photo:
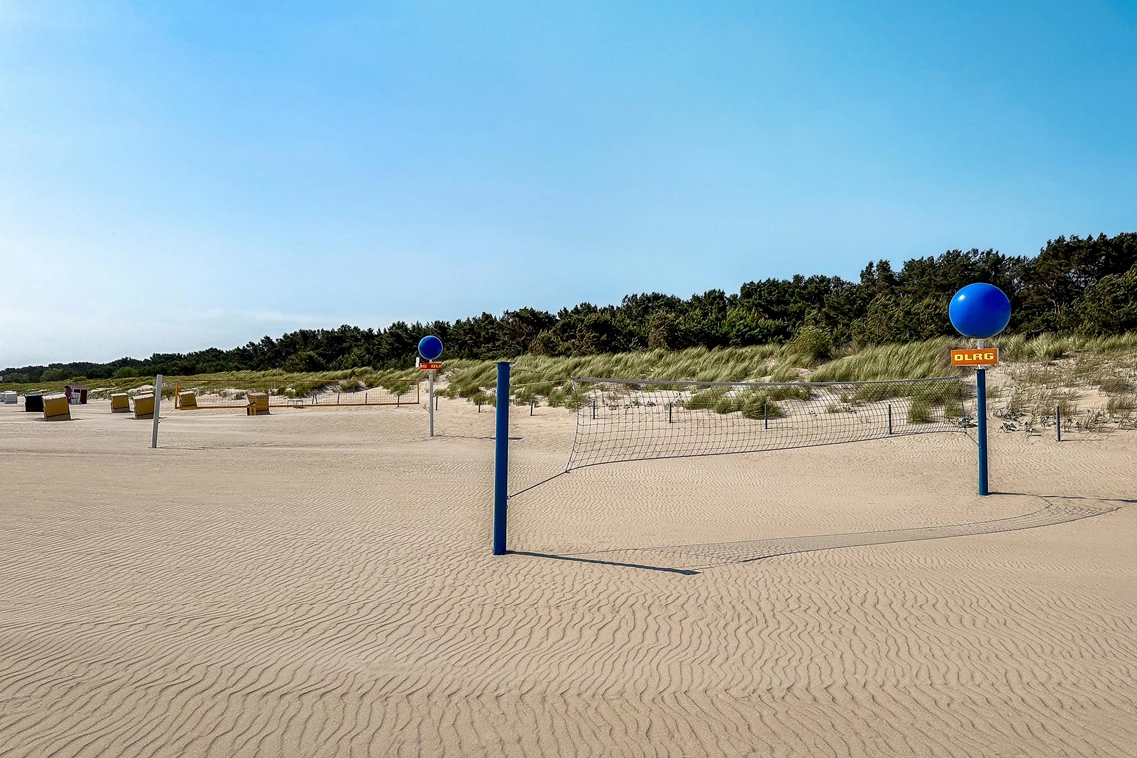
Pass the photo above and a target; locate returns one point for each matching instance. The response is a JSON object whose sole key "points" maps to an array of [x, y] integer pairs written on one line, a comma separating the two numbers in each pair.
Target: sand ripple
{"points": [[319, 583]]}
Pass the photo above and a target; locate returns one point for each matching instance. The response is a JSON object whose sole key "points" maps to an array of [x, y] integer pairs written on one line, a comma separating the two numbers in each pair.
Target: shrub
{"points": [[1114, 384], [726, 404], [303, 362], [705, 399], [919, 411], [483, 398], [811, 344], [126, 372], [1121, 406], [872, 393]]}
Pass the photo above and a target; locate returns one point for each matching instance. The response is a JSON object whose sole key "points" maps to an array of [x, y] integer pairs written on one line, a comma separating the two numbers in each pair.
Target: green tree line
{"points": [[1074, 285]]}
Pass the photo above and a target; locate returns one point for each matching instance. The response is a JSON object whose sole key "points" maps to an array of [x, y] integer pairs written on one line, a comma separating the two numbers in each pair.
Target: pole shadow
{"points": [[580, 559]]}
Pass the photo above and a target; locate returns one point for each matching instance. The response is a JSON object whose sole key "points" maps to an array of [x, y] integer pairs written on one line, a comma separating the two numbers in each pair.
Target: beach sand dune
{"points": [[319, 582]]}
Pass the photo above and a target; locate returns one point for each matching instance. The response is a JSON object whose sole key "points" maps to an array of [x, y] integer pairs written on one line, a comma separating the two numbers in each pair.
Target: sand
{"points": [[319, 582]]}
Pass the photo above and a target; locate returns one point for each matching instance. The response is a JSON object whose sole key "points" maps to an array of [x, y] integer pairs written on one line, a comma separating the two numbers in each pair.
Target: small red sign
{"points": [[430, 365]]}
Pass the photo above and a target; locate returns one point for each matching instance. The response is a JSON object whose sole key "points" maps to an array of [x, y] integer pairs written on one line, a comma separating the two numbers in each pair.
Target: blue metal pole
{"points": [[981, 392], [501, 460]]}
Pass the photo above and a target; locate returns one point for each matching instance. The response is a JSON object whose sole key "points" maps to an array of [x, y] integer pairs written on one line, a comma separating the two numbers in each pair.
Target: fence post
{"points": [[669, 413], [501, 460], [531, 407], [890, 418], [593, 410], [765, 417], [1058, 416], [157, 407]]}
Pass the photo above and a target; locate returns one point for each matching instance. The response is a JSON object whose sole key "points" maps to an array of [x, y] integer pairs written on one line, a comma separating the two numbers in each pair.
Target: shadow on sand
{"points": [[693, 558]]}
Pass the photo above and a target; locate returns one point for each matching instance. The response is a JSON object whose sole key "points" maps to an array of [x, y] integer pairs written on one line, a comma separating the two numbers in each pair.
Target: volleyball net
{"points": [[191, 393], [636, 419]]}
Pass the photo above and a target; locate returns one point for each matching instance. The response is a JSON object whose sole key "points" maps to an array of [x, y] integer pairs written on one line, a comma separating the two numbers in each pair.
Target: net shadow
{"points": [[704, 556]]}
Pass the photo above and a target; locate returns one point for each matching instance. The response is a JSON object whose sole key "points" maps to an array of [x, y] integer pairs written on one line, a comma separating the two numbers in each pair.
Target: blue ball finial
{"points": [[979, 310], [430, 347]]}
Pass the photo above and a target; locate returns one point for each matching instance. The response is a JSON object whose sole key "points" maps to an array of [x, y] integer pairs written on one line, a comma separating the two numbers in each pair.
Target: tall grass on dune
{"points": [[1017, 348], [1047, 360], [914, 360]]}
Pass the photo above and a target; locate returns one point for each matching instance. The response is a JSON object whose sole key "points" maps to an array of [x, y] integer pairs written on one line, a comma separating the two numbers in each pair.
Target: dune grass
{"points": [[915, 360], [1045, 371]]}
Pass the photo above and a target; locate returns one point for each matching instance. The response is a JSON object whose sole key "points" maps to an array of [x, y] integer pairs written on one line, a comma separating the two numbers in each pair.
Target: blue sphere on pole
{"points": [[980, 310], [430, 347]]}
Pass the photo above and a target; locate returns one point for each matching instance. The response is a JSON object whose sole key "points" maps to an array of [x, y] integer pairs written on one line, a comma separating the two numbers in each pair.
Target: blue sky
{"points": [[181, 175]]}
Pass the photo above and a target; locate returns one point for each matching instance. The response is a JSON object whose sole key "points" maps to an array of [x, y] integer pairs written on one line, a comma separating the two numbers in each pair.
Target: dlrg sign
{"points": [[988, 356]]}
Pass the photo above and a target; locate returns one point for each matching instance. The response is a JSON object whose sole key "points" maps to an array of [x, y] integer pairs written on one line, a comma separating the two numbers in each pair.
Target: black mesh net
{"points": [[633, 420]]}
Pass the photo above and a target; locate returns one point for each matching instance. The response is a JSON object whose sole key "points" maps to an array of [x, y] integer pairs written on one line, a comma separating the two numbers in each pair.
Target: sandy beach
{"points": [[319, 582]]}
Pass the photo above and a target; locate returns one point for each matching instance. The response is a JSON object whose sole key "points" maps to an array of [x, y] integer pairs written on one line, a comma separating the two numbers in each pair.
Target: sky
{"points": [[175, 176]]}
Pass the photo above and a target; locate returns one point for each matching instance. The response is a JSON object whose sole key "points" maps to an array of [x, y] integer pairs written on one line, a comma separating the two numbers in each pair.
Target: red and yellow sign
{"points": [[983, 356], [430, 365]]}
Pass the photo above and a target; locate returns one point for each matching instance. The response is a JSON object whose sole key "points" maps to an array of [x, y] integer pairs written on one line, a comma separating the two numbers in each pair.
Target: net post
{"points": [[1058, 418], [157, 407], [981, 395], [765, 418], [593, 410], [669, 413], [501, 460], [890, 419]]}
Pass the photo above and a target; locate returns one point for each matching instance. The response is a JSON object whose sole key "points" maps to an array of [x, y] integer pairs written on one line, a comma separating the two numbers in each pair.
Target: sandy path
{"points": [[318, 582]]}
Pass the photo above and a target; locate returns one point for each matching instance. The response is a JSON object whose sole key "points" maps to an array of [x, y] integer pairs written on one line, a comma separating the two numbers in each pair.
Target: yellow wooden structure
{"points": [[144, 406], [56, 408], [120, 403], [258, 403], [185, 400]]}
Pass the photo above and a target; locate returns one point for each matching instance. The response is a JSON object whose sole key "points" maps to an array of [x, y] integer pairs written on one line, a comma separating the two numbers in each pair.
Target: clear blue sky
{"points": [[186, 174]]}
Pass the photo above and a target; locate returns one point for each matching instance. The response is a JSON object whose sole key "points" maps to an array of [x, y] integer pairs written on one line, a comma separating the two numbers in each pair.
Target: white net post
{"points": [[157, 407]]}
